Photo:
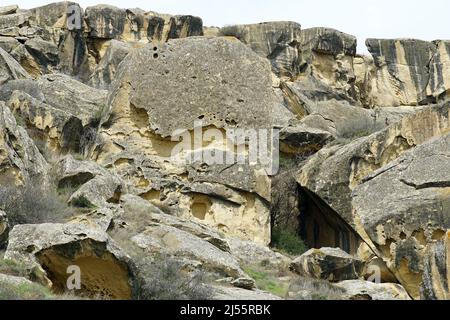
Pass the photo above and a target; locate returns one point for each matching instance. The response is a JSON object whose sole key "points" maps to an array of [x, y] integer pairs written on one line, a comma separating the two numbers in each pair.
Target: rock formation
{"points": [[144, 125]]}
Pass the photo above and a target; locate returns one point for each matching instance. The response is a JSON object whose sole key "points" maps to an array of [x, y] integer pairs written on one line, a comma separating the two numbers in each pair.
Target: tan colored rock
{"points": [[20, 159], [404, 208], [136, 134], [364, 290], [49, 249]]}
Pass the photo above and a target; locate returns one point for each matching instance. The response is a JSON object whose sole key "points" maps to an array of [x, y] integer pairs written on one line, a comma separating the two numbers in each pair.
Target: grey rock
{"points": [[14, 20], [277, 41], [222, 105], [11, 9], [105, 71], [10, 69], [105, 21], [4, 228], [415, 212], [364, 290], [230, 293], [330, 264], [20, 159]]}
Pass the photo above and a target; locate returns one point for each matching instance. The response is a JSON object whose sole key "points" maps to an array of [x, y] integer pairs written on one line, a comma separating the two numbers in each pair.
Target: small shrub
{"points": [[33, 203], [288, 242], [163, 279], [82, 202]]}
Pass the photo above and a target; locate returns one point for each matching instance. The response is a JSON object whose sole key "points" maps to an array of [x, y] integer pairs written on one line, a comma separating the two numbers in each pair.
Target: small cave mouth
{"points": [[320, 226], [101, 274]]}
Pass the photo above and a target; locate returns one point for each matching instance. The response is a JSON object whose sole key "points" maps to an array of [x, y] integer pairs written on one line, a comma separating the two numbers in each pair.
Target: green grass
{"points": [[82, 202], [24, 291], [288, 242], [266, 282], [12, 268]]}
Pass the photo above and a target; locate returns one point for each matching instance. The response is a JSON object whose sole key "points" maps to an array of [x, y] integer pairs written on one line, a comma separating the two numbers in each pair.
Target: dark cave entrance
{"points": [[320, 226]]}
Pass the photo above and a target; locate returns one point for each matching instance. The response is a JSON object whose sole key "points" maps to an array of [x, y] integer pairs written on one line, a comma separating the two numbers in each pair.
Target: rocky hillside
{"points": [[100, 199]]}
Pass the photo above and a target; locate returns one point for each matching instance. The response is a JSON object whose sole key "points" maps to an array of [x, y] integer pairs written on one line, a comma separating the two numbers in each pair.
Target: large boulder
{"points": [[140, 124], [11, 9], [93, 185], [404, 208], [365, 290], [152, 232], [277, 41], [63, 112], [330, 264], [335, 171], [52, 250], [20, 159], [10, 69], [105, 71]]}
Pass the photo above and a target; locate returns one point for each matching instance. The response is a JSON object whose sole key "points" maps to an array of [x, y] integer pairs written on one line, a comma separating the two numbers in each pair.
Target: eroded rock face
{"points": [[94, 185], [10, 69], [195, 245], [59, 111], [4, 228], [404, 72], [277, 41], [49, 249], [335, 171], [415, 214], [364, 290], [330, 264], [137, 130], [20, 159]]}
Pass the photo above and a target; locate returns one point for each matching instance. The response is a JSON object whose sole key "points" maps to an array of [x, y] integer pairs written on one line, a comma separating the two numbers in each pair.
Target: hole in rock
{"points": [[321, 226], [200, 206]]}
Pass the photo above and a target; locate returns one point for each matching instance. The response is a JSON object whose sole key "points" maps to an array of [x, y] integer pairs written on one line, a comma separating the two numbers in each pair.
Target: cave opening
{"points": [[320, 226]]}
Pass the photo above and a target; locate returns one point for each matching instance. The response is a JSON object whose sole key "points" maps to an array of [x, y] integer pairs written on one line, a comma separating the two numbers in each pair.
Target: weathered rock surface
{"points": [[335, 171], [105, 71], [143, 130], [64, 112], [93, 184], [10, 69], [415, 212], [49, 249], [277, 41], [4, 228], [20, 159], [364, 290], [8, 10], [403, 72], [195, 245], [330, 264]]}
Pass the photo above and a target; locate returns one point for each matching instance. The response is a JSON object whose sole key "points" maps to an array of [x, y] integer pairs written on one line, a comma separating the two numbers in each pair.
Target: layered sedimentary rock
{"points": [[277, 41], [403, 72], [138, 128], [58, 110], [415, 215], [20, 159]]}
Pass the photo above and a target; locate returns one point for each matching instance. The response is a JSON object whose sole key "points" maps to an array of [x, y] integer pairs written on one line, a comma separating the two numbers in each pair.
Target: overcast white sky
{"points": [[427, 20]]}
